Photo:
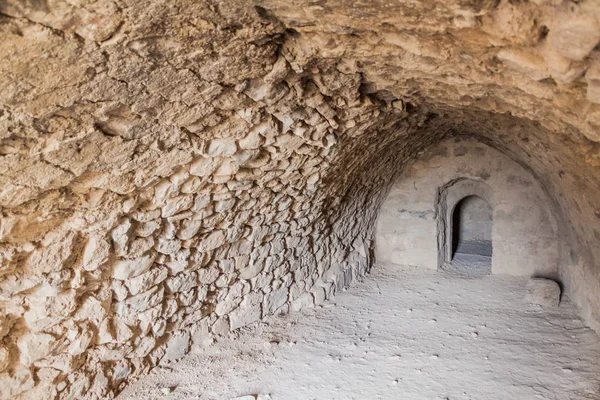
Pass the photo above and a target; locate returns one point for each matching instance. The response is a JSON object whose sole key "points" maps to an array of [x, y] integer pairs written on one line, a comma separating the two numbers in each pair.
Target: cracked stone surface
{"points": [[175, 169]]}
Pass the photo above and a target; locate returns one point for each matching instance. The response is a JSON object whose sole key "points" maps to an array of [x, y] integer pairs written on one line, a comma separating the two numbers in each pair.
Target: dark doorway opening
{"points": [[472, 235]]}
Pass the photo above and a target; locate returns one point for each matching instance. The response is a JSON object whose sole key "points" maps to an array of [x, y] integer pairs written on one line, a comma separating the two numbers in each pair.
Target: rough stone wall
{"points": [[171, 170], [519, 75], [524, 229]]}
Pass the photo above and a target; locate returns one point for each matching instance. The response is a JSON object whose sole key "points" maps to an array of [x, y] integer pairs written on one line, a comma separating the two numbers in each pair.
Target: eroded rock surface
{"points": [[543, 292], [172, 169]]}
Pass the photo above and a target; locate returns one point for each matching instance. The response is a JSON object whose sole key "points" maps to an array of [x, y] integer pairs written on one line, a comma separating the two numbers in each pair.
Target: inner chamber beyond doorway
{"points": [[472, 236]]}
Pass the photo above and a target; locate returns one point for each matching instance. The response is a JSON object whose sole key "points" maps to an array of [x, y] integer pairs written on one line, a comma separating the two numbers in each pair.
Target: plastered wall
{"points": [[523, 235]]}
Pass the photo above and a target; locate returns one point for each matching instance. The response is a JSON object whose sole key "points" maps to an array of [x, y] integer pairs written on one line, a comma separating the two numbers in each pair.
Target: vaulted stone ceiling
{"points": [[182, 168]]}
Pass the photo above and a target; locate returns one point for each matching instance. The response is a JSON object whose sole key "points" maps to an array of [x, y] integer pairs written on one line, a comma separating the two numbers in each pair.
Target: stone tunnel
{"points": [[178, 172]]}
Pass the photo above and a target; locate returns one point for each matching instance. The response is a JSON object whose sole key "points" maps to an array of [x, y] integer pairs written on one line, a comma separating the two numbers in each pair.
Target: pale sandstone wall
{"points": [[524, 229], [170, 170]]}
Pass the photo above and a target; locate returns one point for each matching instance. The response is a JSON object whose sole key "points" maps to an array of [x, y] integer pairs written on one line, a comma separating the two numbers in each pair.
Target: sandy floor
{"points": [[401, 334]]}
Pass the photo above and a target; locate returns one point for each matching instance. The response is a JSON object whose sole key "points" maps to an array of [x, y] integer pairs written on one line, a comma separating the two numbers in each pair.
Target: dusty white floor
{"points": [[402, 333]]}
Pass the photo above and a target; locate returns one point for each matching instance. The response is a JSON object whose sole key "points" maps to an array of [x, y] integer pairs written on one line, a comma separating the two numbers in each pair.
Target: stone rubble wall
{"points": [[175, 170], [150, 202], [520, 76]]}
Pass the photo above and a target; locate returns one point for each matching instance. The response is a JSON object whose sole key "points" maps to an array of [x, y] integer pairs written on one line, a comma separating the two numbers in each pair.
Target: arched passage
{"points": [[196, 171], [472, 227], [471, 236]]}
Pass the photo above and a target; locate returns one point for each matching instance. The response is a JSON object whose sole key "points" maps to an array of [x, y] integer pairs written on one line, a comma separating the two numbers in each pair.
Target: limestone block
{"points": [[113, 353], [4, 358], [560, 67], [144, 347], [177, 346], [319, 295], [145, 229], [148, 317], [159, 327], [275, 300], [575, 37], [168, 246], [208, 275], [105, 334], [306, 300], [204, 166], [119, 290], [139, 246], [15, 382], [47, 308], [146, 280], [179, 261], [228, 304], [243, 157], [592, 77], [125, 269], [225, 169], [543, 292], [254, 267], [120, 235], [191, 185], [201, 201], [95, 252], [224, 205], [34, 346], [176, 205], [526, 61], [81, 343], [146, 216], [181, 283], [262, 282], [51, 258], [141, 302], [253, 139], [121, 370], [189, 228], [249, 311], [214, 240], [221, 147], [90, 309]]}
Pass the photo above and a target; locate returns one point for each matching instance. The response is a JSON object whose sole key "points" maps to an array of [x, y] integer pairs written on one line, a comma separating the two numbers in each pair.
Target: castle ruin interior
{"points": [[299, 199]]}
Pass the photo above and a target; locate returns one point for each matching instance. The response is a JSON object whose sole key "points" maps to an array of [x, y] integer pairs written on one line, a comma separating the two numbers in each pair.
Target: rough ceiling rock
{"points": [[175, 169]]}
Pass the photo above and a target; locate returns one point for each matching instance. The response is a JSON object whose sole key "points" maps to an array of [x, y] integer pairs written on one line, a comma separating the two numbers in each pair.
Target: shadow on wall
{"points": [[499, 202]]}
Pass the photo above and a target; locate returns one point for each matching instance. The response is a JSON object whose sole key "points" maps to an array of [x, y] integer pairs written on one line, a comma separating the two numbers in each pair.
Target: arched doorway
{"points": [[471, 236]]}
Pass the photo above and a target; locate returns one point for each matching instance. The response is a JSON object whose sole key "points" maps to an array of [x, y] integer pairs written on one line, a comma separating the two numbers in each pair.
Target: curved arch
{"points": [[448, 197]]}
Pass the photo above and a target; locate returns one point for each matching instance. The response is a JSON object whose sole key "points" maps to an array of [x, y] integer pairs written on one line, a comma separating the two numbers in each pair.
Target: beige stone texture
{"points": [[145, 146]]}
